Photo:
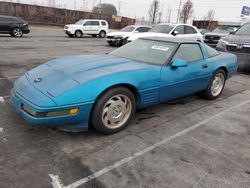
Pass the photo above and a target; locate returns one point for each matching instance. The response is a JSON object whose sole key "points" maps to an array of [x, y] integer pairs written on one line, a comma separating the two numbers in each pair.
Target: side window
{"points": [[189, 30], [4, 19], [189, 52], [211, 52], [180, 29], [87, 23], [95, 23], [143, 29], [104, 23]]}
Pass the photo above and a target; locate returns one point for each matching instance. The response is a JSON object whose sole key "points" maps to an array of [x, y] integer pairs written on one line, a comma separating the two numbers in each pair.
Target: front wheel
{"points": [[17, 32], [216, 85], [113, 110], [102, 34], [78, 34]]}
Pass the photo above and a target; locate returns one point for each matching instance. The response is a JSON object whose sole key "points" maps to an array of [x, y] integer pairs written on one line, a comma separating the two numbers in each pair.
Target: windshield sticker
{"points": [[162, 48]]}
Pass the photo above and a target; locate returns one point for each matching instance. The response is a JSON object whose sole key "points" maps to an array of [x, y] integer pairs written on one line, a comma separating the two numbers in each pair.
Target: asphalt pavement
{"points": [[191, 142]]}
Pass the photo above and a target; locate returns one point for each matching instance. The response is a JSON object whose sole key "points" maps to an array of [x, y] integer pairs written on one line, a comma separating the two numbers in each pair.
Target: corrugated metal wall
{"points": [[55, 16]]}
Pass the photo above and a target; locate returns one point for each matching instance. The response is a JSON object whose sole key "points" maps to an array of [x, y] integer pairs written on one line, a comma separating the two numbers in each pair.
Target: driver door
{"points": [[180, 81], [87, 27]]}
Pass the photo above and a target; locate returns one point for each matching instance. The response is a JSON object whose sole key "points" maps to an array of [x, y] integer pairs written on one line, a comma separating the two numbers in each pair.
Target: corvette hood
{"points": [[60, 75], [148, 34]]}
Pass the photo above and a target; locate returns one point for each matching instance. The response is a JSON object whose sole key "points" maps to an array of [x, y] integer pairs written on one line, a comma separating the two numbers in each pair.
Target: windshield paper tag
{"points": [[162, 48]]}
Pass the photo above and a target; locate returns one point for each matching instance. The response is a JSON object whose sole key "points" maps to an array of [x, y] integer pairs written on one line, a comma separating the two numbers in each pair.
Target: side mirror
{"points": [[136, 31], [179, 63], [175, 33], [232, 32]]}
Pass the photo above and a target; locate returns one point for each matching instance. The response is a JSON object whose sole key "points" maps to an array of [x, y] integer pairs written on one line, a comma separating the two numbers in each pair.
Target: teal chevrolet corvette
{"points": [[75, 92]]}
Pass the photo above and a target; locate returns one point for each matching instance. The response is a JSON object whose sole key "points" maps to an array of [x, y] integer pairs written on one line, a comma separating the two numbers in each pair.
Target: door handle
{"points": [[205, 66]]}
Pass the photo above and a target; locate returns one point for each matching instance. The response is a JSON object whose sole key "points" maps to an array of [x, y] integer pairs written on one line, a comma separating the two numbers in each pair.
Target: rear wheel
{"points": [[216, 85], [113, 110], [102, 34], [78, 34], [17, 32]]}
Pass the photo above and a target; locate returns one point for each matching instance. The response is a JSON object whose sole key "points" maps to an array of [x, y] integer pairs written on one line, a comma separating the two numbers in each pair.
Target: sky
{"points": [[225, 10]]}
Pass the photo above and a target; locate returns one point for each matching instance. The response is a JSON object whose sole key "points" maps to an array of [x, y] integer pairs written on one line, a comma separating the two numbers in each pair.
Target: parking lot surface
{"points": [[190, 142]]}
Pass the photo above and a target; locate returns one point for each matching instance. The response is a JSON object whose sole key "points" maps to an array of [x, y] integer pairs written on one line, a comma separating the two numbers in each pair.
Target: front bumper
{"points": [[26, 31], [68, 32], [80, 120], [211, 44], [243, 61], [115, 41], [242, 58]]}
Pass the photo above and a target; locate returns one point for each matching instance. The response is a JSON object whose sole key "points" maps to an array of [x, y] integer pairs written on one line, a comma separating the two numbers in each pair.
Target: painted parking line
{"points": [[57, 183]]}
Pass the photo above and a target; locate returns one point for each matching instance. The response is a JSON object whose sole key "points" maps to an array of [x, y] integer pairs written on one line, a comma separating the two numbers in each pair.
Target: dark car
{"points": [[204, 31], [239, 44], [212, 38], [14, 26]]}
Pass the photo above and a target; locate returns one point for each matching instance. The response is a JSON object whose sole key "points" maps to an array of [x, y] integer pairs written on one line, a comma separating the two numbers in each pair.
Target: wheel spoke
{"points": [[116, 111], [217, 84]]}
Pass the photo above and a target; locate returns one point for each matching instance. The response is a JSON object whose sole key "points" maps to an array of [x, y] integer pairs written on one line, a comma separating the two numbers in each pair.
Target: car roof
{"points": [[141, 26], [175, 24], [172, 39], [13, 17], [93, 20]]}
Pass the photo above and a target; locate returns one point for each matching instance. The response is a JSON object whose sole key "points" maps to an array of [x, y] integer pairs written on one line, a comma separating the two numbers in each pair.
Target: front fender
{"points": [[143, 81]]}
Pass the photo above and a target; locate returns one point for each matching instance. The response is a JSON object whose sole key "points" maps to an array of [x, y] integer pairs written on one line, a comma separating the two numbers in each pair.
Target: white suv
{"points": [[87, 27]]}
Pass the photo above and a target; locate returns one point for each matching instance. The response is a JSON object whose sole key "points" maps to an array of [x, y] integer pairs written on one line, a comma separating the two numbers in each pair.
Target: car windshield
{"points": [[223, 30], [80, 22], [162, 29], [128, 29], [244, 30], [147, 51]]}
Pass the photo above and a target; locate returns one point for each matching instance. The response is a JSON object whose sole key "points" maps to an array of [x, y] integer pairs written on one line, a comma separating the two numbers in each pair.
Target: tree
{"points": [[154, 11], [187, 11], [105, 8], [210, 15], [210, 18]]}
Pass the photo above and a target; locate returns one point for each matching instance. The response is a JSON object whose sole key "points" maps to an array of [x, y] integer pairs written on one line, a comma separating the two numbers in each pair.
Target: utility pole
{"points": [[169, 15], [93, 4], [83, 7], [75, 5], [179, 11], [119, 8], [100, 7]]}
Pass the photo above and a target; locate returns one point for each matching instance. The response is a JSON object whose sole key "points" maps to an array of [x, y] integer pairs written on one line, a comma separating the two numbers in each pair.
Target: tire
{"points": [[94, 35], [102, 34], [110, 113], [215, 86], [78, 34], [17, 32]]}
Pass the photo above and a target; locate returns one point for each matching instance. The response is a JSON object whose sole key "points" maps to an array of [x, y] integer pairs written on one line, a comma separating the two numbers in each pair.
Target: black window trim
{"points": [[213, 55], [104, 23], [143, 27], [189, 33]]}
